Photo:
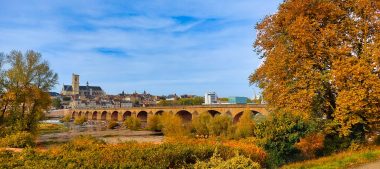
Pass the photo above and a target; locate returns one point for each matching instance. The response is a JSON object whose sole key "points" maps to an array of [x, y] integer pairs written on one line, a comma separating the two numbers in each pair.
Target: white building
{"points": [[211, 98]]}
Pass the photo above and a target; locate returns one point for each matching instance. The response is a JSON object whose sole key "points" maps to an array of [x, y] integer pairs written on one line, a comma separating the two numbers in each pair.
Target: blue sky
{"points": [[161, 46]]}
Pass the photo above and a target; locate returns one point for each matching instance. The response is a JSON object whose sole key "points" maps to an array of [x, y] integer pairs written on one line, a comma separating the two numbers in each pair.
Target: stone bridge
{"points": [[185, 112]]}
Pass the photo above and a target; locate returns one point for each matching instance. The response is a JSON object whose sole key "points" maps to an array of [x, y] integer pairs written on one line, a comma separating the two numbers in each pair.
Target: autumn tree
{"points": [[24, 91], [321, 58]]}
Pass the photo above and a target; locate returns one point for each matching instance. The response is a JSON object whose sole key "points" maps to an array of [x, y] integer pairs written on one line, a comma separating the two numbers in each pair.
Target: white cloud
{"points": [[161, 55]]}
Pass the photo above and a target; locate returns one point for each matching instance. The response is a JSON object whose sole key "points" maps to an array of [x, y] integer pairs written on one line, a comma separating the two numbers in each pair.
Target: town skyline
{"points": [[162, 48]]}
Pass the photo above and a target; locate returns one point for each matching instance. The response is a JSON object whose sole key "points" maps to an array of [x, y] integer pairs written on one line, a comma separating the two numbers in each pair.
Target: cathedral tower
{"points": [[75, 85]]}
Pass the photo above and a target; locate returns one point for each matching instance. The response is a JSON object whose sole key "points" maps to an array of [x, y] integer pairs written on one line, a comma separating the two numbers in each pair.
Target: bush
{"points": [[245, 126], [237, 162], [220, 125], [248, 149], [82, 143], [66, 118], [45, 128], [18, 140], [173, 126], [311, 144], [334, 143], [132, 123], [79, 120], [200, 124], [154, 123], [112, 124], [278, 135], [88, 152]]}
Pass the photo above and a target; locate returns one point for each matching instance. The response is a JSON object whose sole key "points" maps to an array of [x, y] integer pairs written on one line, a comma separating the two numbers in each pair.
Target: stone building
{"points": [[82, 91]]}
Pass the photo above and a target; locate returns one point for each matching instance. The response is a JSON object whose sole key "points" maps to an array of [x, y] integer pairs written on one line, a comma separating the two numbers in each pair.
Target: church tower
{"points": [[75, 85]]}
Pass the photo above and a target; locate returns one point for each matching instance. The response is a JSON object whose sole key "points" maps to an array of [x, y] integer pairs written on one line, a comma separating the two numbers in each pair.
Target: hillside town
{"points": [[87, 96]]}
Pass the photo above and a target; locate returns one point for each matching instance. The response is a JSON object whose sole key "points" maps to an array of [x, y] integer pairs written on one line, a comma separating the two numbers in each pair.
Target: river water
{"points": [[99, 130]]}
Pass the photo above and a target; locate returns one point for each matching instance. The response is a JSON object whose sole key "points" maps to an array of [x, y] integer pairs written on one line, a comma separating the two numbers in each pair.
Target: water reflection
{"points": [[91, 125], [99, 130]]}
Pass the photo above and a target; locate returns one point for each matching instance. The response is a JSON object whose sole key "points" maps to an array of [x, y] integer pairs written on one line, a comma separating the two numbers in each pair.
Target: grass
{"points": [[47, 128], [340, 160]]}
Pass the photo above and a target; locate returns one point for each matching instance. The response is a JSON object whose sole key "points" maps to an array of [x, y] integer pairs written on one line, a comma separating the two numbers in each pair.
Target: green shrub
{"points": [[132, 123], [154, 123], [173, 126], [112, 124], [334, 143], [18, 140], [66, 118], [220, 125], [200, 124], [278, 135], [79, 120]]}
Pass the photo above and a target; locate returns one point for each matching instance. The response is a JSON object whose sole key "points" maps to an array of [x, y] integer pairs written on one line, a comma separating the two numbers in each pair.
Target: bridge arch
{"points": [[185, 115], [103, 116], [87, 115], [115, 115], [95, 115], [73, 115], [213, 113], [80, 114], [143, 116], [127, 114], [159, 112], [238, 116]]}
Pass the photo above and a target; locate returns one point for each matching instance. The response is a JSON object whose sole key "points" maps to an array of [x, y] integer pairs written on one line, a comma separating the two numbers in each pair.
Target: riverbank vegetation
{"points": [[46, 128], [344, 159], [87, 152]]}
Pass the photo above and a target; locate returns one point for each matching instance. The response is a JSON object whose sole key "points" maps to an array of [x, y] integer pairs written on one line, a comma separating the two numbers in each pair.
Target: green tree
{"points": [[24, 91], [322, 59], [56, 103]]}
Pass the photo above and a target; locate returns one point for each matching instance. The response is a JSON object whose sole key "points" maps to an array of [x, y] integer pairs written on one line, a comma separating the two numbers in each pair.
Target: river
{"points": [[99, 130]]}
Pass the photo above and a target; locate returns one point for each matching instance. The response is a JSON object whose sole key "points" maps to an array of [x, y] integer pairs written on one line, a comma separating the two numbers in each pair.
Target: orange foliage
{"points": [[321, 58], [248, 149], [310, 144]]}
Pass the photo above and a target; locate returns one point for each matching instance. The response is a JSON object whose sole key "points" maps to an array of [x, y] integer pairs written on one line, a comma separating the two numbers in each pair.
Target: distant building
{"points": [[211, 98], [172, 97], [187, 96], [83, 91], [54, 95], [237, 100]]}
